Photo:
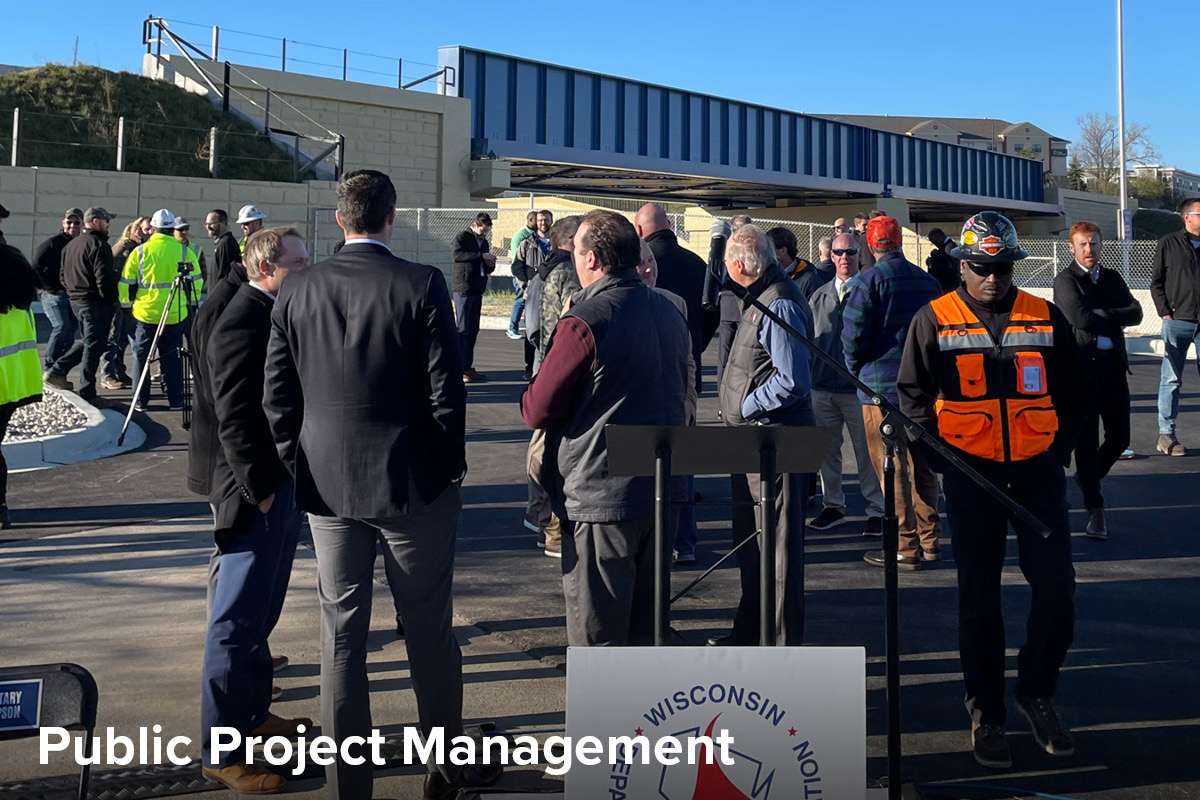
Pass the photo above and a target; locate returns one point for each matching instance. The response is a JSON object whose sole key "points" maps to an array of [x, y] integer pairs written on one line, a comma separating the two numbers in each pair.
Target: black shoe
{"points": [[473, 776], [828, 518], [5, 522], [1048, 728], [730, 640], [399, 629], [874, 527], [875, 558], [527, 375], [991, 747], [1097, 528]]}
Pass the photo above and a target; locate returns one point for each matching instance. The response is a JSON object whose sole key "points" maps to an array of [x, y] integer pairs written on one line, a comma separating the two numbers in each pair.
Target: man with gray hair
{"points": [[256, 522], [767, 381], [835, 403]]}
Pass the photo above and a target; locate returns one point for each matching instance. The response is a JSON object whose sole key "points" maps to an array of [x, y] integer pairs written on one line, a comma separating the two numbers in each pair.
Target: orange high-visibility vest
{"points": [[994, 399]]}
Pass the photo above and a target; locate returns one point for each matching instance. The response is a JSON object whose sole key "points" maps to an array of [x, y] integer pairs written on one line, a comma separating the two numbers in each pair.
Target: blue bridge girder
{"points": [[564, 129]]}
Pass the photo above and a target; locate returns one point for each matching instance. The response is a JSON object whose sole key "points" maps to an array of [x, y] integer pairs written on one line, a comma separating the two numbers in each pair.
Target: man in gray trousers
{"points": [[365, 396], [619, 356]]}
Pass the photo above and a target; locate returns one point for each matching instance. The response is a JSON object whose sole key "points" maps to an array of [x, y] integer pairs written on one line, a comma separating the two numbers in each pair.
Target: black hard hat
{"points": [[989, 238]]}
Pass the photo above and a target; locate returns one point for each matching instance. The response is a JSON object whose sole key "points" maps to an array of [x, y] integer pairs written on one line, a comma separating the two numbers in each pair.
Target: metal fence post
{"points": [[345, 62], [284, 67], [267, 114], [16, 136], [1054, 255], [216, 43], [120, 144], [420, 224], [212, 152], [400, 73], [225, 90]]}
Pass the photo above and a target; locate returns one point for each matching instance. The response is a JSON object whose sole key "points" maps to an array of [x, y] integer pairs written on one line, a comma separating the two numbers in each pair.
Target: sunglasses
{"points": [[850, 251], [984, 270]]}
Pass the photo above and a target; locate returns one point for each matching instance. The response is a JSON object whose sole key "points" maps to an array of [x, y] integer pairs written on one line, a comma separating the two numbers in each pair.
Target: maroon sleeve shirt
{"points": [[549, 400]]}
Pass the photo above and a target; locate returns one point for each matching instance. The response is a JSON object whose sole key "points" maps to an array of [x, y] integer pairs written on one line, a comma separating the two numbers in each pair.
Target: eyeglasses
{"points": [[850, 251], [1191, 213], [1001, 270]]}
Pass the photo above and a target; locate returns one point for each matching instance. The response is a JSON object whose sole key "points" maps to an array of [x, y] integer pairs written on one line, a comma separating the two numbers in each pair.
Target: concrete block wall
{"points": [[36, 197], [421, 140]]}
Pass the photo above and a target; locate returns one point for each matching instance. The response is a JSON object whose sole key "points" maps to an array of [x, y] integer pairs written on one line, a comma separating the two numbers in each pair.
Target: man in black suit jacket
{"points": [[1098, 304], [364, 390], [473, 263], [256, 519]]}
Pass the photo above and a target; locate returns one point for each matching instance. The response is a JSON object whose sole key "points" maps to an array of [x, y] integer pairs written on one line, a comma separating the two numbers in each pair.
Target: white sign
{"points": [[797, 716]]}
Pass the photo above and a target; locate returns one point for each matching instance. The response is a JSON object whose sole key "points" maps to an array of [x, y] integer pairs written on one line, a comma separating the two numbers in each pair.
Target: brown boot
{"points": [[278, 726], [247, 778]]}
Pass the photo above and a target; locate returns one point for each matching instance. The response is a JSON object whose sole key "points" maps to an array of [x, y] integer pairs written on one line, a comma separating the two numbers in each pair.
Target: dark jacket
{"points": [[226, 254], [202, 442], [826, 269], [470, 270], [876, 316], [1175, 277], [866, 256], [364, 386], [247, 469], [1103, 307], [827, 335], [806, 276], [682, 272], [944, 268], [599, 371], [88, 274], [47, 261]]}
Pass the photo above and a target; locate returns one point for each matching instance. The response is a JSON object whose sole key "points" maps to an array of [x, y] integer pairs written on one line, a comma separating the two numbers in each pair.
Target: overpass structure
{"points": [[563, 130]]}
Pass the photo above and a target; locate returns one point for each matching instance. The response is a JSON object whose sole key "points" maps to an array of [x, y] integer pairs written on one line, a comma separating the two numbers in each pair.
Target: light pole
{"points": [[1126, 226]]}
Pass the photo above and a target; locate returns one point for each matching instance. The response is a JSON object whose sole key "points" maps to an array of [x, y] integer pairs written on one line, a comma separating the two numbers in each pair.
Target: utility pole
{"points": [[1126, 222]]}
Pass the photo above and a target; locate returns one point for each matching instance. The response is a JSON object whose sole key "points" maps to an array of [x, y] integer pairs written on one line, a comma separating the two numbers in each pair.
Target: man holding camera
{"points": [[151, 269]]}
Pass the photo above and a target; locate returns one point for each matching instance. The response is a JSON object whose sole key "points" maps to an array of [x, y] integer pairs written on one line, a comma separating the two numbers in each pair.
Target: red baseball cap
{"points": [[883, 233]]}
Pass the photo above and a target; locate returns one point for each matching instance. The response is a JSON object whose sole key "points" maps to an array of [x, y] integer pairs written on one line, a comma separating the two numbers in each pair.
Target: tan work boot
{"points": [[278, 726], [247, 778]]}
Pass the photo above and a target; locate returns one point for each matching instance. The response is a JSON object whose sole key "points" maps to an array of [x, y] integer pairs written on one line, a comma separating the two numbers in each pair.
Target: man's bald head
{"points": [[650, 218]]}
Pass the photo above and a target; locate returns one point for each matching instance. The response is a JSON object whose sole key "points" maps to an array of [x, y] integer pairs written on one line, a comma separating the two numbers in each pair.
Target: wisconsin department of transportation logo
{"points": [[796, 717], [775, 751]]}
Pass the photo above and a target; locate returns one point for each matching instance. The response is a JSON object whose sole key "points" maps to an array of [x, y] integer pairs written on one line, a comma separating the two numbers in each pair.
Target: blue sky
{"points": [[1047, 62]]}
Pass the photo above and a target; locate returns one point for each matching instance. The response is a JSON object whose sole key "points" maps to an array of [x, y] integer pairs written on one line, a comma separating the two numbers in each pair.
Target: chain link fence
{"points": [[424, 235]]}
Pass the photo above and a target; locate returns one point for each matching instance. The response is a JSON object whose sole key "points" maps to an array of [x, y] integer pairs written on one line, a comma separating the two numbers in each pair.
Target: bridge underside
{"points": [[543, 177]]}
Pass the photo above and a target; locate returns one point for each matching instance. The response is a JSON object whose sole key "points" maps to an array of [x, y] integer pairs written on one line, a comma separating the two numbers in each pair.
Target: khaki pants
{"points": [[916, 488], [537, 507]]}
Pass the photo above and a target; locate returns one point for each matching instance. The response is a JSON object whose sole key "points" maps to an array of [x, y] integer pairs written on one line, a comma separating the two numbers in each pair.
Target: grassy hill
{"points": [[69, 119]]}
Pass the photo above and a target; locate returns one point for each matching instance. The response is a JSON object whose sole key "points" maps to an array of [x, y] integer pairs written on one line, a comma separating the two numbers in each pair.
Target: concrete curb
{"points": [[1151, 346], [96, 438]]}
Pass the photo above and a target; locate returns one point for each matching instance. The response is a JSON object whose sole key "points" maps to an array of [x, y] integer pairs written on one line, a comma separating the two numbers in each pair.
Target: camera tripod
{"points": [[182, 285]]}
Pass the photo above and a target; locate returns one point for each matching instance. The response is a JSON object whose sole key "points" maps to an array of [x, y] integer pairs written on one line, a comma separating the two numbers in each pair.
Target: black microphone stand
{"points": [[889, 430]]}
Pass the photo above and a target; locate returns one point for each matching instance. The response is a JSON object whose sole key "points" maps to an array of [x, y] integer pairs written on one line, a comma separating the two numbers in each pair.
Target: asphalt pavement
{"points": [[1130, 688]]}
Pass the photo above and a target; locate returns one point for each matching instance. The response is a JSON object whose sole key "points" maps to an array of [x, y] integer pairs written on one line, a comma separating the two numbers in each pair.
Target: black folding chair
{"points": [[66, 698]]}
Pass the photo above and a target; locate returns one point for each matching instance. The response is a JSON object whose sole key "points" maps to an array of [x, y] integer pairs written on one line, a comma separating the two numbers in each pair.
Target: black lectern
{"points": [[769, 450]]}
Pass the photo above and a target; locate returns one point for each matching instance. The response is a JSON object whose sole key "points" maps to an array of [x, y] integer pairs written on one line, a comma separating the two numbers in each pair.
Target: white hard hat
{"points": [[162, 219], [249, 214]]}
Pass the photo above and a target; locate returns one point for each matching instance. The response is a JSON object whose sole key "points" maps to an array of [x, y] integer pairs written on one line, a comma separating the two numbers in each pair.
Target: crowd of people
{"points": [[337, 392]]}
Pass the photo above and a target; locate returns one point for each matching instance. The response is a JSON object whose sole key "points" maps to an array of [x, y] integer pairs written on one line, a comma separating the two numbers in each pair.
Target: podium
{"points": [[768, 450]]}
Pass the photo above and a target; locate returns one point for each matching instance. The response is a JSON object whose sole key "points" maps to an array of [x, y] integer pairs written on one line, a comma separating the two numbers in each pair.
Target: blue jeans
{"points": [[119, 337], [168, 356], [235, 689], [94, 320], [1177, 336], [57, 309], [518, 307]]}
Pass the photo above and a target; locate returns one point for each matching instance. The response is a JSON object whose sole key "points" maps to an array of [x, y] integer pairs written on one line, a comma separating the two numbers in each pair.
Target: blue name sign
{"points": [[20, 705]]}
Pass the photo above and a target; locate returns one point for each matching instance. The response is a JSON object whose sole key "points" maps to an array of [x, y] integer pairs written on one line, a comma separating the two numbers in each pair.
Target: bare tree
{"points": [[1099, 153]]}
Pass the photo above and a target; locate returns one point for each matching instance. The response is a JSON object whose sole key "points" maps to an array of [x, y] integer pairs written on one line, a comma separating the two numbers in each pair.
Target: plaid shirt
{"points": [[879, 308]]}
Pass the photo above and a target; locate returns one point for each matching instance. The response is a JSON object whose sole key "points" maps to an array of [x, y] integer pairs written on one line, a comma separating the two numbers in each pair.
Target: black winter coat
{"points": [[471, 271], [88, 274], [1175, 277], [47, 261], [1096, 308]]}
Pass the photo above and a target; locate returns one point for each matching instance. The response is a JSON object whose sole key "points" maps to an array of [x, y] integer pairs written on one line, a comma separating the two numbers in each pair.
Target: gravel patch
{"points": [[53, 415]]}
